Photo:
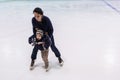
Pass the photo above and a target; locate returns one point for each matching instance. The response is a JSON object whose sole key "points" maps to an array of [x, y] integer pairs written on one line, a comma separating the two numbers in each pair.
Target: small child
{"points": [[40, 42]]}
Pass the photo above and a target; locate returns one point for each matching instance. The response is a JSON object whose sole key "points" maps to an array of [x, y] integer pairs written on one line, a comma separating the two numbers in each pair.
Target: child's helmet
{"points": [[40, 32]]}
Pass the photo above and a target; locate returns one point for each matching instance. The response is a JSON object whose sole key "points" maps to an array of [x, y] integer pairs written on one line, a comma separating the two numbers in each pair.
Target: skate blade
{"points": [[61, 64], [47, 69], [31, 68]]}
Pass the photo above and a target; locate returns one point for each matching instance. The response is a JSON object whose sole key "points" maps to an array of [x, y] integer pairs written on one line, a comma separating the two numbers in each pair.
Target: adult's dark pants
{"points": [[54, 48]]}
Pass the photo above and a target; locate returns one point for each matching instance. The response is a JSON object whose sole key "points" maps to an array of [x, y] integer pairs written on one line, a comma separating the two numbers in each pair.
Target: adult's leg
{"points": [[54, 48]]}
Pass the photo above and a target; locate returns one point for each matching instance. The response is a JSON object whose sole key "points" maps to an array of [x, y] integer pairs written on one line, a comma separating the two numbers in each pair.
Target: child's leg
{"points": [[34, 54], [44, 55]]}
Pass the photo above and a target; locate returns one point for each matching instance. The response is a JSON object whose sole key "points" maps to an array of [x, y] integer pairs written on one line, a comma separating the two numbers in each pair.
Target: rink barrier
{"points": [[111, 6]]}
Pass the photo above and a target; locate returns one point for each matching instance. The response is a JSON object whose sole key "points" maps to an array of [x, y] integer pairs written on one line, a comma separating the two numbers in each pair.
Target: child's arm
{"points": [[40, 43]]}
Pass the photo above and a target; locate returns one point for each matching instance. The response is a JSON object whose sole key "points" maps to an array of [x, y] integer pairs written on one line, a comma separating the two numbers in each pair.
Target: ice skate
{"points": [[32, 65], [47, 67], [61, 62]]}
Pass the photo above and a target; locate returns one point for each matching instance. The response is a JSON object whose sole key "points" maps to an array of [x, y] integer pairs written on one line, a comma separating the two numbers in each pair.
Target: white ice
{"points": [[87, 33]]}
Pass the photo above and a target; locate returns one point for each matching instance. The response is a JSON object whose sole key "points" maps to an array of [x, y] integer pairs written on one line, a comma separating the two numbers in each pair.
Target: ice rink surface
{"points": [[87, 33]]}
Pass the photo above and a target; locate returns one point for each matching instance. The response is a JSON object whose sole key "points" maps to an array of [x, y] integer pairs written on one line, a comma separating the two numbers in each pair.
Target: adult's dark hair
{"points": [[38, 10]]}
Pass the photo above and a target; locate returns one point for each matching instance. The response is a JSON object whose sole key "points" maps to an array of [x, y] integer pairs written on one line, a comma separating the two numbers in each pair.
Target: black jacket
{"points": [[45, 25], [45, 39]]}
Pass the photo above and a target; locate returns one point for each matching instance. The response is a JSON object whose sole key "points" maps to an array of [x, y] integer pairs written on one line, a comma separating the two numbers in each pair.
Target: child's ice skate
{"points": [[32, 65], [47, 67]]}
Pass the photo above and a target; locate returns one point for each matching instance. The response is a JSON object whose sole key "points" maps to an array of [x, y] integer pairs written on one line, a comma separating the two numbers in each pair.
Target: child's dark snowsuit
{"points": [[42, 47]]}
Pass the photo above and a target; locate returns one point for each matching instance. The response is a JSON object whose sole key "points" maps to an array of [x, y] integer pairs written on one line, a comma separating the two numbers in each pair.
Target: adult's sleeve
{"points": [[34, 25], [50, 27]]}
